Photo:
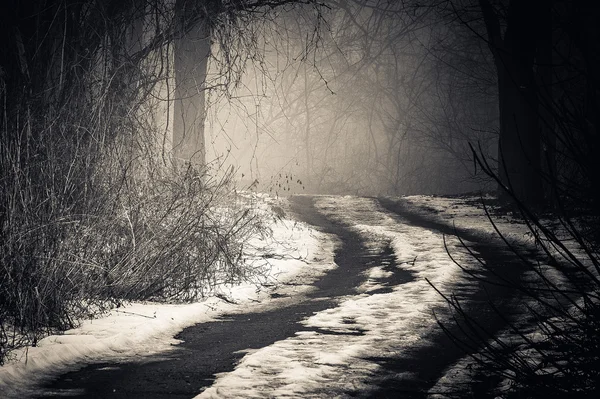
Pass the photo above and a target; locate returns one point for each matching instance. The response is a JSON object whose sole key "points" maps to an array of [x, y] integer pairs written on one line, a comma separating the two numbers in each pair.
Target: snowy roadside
{"points": [[468, 214], [332, 357], [142, 329]]}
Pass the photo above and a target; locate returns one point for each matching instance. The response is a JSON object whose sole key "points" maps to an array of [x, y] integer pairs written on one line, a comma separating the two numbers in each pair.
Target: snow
{"points": [[314, 362], [465, 215], [333, 360], [143, 329], [333, 355]]}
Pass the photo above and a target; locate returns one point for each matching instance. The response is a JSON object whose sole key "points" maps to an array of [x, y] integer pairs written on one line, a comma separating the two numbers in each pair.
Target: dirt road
{"points": [[216, 347]]}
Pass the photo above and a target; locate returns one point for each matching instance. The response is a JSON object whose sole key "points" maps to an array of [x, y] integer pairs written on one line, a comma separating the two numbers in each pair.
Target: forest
{"points": [[129, 129]]}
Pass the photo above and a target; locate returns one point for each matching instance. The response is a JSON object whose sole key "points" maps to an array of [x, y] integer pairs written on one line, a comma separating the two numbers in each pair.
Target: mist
{"points": [[371, 102], [218, 198]]}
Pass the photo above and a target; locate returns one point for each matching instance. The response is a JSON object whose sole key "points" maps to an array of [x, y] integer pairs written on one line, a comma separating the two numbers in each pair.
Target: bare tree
{"points": [[199, 26]]}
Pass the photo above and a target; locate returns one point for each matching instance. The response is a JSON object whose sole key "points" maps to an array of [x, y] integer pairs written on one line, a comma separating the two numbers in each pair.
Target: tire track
{"points": [[216, 347]]}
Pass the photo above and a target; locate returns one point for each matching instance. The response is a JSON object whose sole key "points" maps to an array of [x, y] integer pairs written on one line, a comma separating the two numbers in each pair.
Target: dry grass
{"points": [[93, 211]]}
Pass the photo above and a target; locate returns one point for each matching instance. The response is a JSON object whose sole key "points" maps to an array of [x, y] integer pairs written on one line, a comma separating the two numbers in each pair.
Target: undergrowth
{"points": [[550, 346], [94, 210]]}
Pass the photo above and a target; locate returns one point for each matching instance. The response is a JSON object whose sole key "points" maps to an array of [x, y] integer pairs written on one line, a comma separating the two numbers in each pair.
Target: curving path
{"points": [[216, 347]]}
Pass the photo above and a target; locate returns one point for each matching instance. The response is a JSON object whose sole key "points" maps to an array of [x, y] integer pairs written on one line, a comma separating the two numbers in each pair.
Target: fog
{"points": [[368, 103]]}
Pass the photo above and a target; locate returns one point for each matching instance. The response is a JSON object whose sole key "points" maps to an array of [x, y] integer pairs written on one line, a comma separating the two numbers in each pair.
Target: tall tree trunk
{"points": [[545, 86], [307, 126], [519, 142], [519, 145], [191, 51]]}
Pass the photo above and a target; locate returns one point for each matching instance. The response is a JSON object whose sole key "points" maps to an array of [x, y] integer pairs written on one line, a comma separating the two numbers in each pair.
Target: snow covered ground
{"points": [[317, 363], [332, 360], [464, 215], [332, 355], [143, 329]]}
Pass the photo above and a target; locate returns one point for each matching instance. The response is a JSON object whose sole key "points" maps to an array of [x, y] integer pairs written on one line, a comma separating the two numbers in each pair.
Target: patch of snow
{"points": [[334, 357], [143, 329], [465, 215], [334, 354]]}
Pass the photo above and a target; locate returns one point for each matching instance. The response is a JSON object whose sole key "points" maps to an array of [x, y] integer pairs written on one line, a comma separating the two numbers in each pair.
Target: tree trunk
{"points": [[545, 62], [191, 51], [519, 144], [307, 126]]}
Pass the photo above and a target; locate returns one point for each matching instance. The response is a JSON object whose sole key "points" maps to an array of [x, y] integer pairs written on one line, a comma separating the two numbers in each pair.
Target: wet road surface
{"points": [[214, 347]]}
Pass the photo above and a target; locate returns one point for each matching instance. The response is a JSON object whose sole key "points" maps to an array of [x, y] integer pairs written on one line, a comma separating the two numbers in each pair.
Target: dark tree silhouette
{"points": [[516, 53]]}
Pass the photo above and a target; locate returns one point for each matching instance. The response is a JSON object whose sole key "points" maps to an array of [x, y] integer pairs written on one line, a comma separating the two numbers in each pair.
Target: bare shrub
{"points": [[92, 210], [550, 346]]}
